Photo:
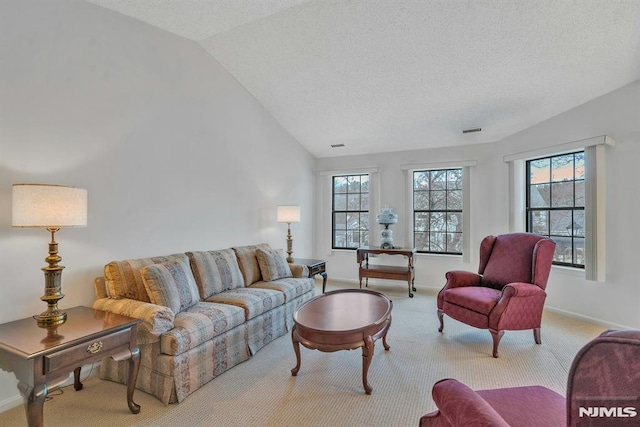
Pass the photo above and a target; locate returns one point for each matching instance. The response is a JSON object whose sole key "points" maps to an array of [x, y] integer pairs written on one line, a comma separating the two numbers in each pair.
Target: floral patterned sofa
{"points": [[202, 312]]}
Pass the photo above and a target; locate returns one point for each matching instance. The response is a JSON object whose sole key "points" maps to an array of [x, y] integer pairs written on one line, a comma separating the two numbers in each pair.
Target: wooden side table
{"points": [[389, 272], [315, 266], [42, 358]]}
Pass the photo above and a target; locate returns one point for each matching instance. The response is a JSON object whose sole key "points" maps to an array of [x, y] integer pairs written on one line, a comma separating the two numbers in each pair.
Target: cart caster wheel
{"points": [[410, 295], [413, 289]]}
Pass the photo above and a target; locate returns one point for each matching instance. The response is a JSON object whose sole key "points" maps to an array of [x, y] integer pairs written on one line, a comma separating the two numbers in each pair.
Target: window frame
{"points": [[529, 210], [347, 211], [446, 211]]}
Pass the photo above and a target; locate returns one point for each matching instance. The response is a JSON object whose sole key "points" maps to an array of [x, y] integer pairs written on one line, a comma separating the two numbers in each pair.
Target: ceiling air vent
{"points": [[337, 145], [471, 130]]}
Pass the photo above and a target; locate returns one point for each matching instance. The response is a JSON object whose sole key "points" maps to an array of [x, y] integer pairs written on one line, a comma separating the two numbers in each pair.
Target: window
{"points": [[437, 211], [350, 211], [555, 204]]}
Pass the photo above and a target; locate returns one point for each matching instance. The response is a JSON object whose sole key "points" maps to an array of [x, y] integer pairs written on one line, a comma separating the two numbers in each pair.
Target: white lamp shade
{"points": [[288, 213], [44, 205]]}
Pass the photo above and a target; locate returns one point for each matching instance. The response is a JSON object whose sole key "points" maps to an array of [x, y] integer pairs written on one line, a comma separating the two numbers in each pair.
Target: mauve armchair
{"points": [[603, 389], [507, 293]]}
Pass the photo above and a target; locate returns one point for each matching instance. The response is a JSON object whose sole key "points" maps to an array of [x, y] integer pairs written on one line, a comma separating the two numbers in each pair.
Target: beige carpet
{"points": [[328, 389]]}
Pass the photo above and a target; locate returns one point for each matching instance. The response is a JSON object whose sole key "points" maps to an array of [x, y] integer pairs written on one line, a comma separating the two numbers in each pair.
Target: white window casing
{"points": [[595, 196], [326, 202], [465, 165]]}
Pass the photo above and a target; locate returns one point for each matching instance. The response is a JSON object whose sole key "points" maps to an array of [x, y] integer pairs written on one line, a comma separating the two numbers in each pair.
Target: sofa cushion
{"points": [[248, 262], [254, 301], [171, 284], [290, 287], [215, 271], [199, 323], [273, 264], [123, 278]]}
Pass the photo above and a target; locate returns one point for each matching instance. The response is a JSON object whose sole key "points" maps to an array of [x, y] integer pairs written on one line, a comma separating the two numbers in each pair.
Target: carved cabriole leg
{"points": [[34, 398], [134, 365], [384, 337], [296, 348], [536, 335], [77, 385], [441, 318], [496, 335], [367, 355]]}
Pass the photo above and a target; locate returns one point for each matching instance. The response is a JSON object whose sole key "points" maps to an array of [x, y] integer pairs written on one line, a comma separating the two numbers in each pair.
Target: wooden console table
{"points": [[389, 272], [42, 358]]}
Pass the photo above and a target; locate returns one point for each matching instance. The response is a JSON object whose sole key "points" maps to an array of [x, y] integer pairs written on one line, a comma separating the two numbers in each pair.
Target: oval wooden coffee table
{"points": [[343, 320]]}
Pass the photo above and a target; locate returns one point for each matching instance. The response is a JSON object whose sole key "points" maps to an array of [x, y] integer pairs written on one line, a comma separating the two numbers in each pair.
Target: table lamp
{"points": [[51, 207], [288, 214], [386, 218]]}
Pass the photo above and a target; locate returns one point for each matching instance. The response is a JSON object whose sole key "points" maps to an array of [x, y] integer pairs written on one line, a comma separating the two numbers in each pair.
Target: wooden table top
{"points": [[26, 338], [344, 310]]}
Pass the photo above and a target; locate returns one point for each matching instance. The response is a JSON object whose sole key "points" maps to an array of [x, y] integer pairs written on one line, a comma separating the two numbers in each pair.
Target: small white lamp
{"points": [[51, 207], [288, 214]]}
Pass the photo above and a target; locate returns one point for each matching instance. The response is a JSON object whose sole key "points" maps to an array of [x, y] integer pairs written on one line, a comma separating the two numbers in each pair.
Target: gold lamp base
{"points": [[51, 317]]}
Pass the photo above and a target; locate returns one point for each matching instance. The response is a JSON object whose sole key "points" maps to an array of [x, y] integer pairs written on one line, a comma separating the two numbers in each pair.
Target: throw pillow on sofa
{"points": [[273, 264], [171, 284]]}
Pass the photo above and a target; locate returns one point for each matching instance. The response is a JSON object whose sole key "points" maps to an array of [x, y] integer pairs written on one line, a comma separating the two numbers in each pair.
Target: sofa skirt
{"points": [[172, 378]]}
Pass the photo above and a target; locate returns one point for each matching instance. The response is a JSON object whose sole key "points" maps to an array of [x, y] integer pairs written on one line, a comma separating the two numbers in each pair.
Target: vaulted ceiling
{"points": [[389, 75]]}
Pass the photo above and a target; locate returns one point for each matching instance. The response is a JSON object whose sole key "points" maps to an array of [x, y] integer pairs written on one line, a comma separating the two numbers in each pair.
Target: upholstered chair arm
{"points": [[156, 319], [518, 299], [299, 270], [460, 278], [458, 405], [521, 289]]}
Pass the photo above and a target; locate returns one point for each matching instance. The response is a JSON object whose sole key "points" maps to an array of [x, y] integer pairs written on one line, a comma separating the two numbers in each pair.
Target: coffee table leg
{"points": [[367, 355], [384, 336], [296, 348]]}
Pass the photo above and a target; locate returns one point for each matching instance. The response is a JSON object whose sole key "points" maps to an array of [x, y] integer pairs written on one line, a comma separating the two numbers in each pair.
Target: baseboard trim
{"points": [[11, 403], [590, 319]]}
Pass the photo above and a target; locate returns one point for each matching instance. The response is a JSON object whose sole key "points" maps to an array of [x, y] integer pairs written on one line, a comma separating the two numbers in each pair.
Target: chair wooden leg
{"points": [[536, 335], [441, 318], [496, 335]]}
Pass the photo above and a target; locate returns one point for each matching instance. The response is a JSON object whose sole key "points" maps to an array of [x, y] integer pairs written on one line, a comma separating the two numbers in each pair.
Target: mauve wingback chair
{"points": [[603, 389], [507, 293]]}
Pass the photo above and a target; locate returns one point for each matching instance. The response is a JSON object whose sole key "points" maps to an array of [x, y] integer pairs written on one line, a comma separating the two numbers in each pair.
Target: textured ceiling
{"points": [[389, 75]]}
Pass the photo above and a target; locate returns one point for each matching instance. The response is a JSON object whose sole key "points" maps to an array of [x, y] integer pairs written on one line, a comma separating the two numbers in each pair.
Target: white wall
{"points": [[175, 154], [615, 302]]}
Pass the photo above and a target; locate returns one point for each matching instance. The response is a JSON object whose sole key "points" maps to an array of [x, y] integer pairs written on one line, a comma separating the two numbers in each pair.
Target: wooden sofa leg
{"points": [[536, 335], [496, 335], [441, 318]]}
